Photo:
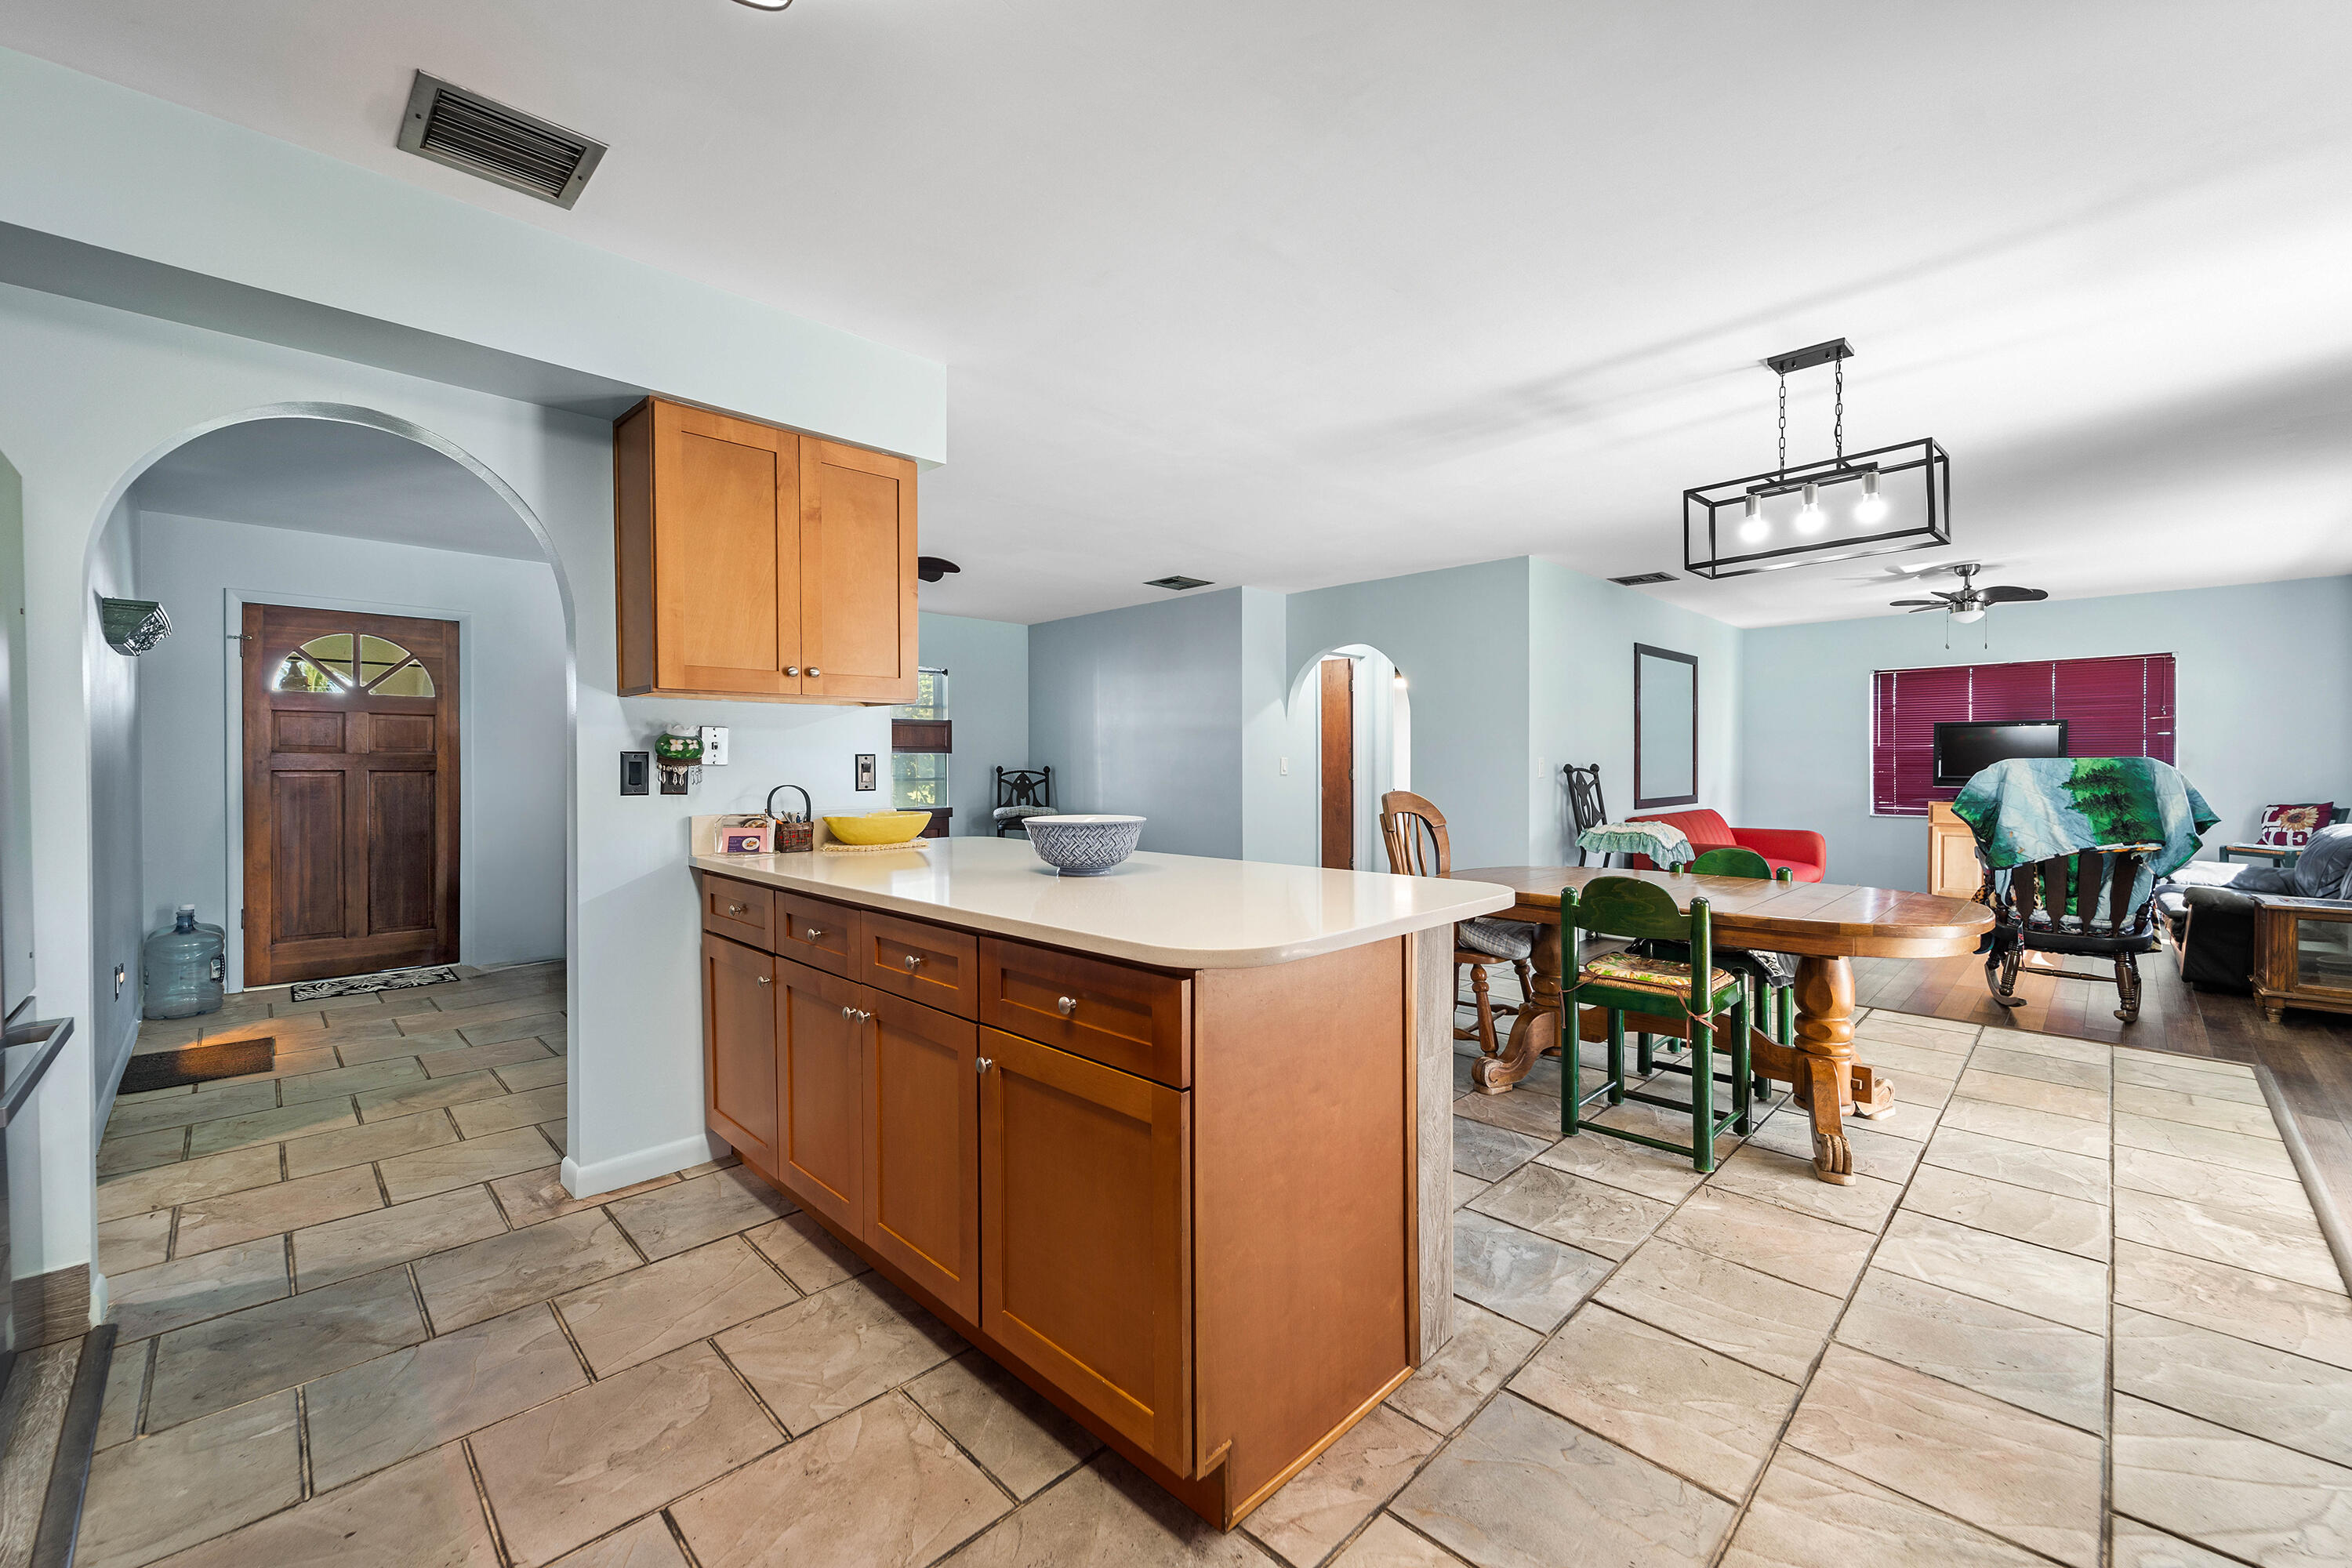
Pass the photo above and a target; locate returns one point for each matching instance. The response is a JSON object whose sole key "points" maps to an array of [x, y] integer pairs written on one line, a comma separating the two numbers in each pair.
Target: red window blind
{"points": [[2113, 708]]}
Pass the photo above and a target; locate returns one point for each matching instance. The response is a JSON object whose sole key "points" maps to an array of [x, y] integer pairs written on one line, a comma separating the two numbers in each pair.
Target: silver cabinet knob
{"points": [[1068, 1005], [849, 1012], [767, 980], [811, 932], [982, 1065], [913, 961], [738, 909], [863, 1017], [791, 670], [815, 671]]}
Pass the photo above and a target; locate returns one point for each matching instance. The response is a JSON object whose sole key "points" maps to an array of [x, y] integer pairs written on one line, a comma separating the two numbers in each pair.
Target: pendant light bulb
{"points": [[1871, 507], [1752, 526], [1808, 517]]}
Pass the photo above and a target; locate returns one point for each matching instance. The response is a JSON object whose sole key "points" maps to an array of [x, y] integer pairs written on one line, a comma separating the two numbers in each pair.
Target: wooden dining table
{"points": [[1823, 925]]}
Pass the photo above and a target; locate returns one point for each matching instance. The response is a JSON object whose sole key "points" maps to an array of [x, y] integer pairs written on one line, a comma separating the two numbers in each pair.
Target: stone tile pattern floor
{"points": [[1750, 1369]]}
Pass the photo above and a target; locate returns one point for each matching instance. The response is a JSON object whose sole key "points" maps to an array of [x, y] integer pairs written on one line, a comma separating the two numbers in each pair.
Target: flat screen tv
{"points": [[1964, 750]]}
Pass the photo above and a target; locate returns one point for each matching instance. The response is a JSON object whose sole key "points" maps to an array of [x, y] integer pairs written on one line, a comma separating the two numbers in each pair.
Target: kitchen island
{"points": [[1174, 1144]]}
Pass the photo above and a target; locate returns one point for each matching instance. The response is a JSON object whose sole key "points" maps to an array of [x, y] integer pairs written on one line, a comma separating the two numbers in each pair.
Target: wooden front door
{"points": [[1339, 764], [351, 793]]}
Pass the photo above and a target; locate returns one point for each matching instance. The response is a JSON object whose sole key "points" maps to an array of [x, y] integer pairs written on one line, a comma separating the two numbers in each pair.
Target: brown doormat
{"points": [[198, 1064]]}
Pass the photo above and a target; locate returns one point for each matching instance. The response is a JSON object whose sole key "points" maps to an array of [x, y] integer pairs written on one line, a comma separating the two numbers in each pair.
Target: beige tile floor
{"points": [[2053, 1322]]}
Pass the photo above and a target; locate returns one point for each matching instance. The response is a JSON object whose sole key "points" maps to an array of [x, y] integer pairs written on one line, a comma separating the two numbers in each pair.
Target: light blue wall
{"points": [[2263, 677], [1580, 697], [1140, 712], [988, 701], [116, 849]]}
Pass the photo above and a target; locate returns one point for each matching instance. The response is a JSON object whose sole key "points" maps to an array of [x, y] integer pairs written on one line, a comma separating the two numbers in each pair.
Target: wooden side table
{"points": [[2270, 852], [2303, 955]]}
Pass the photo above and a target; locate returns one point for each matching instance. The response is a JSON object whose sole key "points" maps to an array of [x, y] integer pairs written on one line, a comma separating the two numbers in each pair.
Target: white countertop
{"points": [[1177, 911]]}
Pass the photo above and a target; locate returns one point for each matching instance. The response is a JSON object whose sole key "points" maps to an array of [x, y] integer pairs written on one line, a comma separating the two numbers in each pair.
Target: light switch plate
{"points": [[714, 745], [865, 769]]}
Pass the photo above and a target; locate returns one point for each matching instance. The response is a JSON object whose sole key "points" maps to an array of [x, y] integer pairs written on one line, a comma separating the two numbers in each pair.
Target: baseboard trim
{"points": [[643, 1165]]}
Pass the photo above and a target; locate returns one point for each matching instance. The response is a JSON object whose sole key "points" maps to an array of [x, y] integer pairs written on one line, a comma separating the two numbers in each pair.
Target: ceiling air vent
{"points": [[1177, 585], [1643, 579], [505, 147]]}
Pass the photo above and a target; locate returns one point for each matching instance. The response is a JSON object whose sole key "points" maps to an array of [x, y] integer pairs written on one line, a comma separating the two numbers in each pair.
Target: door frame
{"points": [[233, 734]]}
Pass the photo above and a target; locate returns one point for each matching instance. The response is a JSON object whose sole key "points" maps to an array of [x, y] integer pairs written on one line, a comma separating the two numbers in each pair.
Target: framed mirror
{"points": [[1666, 728]]}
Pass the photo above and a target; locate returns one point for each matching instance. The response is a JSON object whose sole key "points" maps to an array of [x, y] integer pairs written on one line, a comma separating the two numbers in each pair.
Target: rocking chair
{"points": [[2074, 904]]}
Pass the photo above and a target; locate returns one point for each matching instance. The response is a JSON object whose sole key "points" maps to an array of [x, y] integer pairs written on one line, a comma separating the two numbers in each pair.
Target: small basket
{"points": [[790, 835]]}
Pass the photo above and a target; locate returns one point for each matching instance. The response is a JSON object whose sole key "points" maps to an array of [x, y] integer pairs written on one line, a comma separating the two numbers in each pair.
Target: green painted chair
{"points": [[1635, 982], [1773, 980]]}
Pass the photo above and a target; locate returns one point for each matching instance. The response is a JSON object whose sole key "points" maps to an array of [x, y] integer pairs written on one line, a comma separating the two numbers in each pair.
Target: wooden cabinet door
{"points": [[922, 1147], [1086, 1238], [738, 1048], [726, 554], [857, 573], [821, 1093]]}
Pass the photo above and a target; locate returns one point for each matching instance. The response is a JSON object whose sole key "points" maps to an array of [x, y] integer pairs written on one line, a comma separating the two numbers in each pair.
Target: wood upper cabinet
{"points": [[1087, 1230], [922, 1147], [755, 561], [738, 1048], [821, 1092]]}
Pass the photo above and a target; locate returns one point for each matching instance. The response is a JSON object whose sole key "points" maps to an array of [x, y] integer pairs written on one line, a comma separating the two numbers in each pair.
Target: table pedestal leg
{"points": [[1537, 1028], [1823, 1083]]}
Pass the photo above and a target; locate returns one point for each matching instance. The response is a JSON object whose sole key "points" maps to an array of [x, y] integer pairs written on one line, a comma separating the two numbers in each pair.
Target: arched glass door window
{"points": [[336, 663]]}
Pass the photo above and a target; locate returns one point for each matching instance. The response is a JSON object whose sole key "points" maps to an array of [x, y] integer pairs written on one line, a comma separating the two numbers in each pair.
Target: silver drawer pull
{"points": [[982, 1065], [738, 909], [1068, 1005], [912, 960], [810, 933]]}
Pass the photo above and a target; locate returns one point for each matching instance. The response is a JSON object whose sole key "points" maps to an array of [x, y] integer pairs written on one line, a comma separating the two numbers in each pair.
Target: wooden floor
{"points": [[2309, 1054]]}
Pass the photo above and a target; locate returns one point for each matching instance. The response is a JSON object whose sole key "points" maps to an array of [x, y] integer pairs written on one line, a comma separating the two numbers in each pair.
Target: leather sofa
{"points": [[1805, 853]]}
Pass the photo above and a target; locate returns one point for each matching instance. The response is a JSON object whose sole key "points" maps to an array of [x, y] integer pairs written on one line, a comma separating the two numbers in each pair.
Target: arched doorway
{"points": [[1355, 705], [332, 514]]}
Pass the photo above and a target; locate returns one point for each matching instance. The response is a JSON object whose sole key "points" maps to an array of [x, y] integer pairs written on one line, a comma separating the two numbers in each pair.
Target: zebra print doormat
{"points": [[398, 980]]}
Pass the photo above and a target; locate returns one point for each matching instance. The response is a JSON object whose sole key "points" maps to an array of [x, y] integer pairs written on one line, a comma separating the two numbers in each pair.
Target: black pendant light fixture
{"points": [[1848, 504]]}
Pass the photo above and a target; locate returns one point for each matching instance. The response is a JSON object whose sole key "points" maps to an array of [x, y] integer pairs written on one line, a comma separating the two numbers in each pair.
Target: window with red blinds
{"points": [[2113, 708]]}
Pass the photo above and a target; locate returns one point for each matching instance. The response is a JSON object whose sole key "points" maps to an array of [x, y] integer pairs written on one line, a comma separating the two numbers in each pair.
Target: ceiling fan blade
{"points": [[1923, 604], [2008, 595]]}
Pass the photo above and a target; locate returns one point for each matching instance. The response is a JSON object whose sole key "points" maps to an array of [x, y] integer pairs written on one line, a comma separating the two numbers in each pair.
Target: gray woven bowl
{"points": [[1084, 845]]}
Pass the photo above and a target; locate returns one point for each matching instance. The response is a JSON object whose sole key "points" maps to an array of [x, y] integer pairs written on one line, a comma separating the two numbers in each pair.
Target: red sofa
{"points": [[1806, 854]]}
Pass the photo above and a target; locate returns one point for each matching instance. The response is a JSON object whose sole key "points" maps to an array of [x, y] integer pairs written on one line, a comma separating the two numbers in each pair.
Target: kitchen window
{"points": [[922, 738]]}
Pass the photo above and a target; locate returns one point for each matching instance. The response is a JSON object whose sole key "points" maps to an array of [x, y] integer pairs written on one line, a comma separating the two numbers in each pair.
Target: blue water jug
{"points": [[180, 967]]}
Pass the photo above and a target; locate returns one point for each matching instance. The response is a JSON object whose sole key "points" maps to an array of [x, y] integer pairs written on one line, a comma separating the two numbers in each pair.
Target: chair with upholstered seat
{"points": [[1584, 802], [1414, 832], [1771, 976], [1705, 999], [1022, 794]]}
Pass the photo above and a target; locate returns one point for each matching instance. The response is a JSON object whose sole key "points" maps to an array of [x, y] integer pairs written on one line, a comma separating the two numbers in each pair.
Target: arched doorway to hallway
{"points": [[1355, 706]]}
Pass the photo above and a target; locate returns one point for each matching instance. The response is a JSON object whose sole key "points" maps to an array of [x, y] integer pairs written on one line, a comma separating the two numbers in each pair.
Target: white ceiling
{"points": [[322, 477], [1304, 293]]}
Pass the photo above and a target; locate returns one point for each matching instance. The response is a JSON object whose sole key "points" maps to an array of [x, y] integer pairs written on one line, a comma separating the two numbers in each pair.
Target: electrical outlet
{"points": [[714, 745], [636, 767], [121, 975]]}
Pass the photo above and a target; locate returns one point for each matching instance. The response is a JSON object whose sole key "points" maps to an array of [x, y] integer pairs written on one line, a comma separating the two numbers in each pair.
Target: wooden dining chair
{"points": [[1414, 832], [1708, 1003], [1584, 802]]}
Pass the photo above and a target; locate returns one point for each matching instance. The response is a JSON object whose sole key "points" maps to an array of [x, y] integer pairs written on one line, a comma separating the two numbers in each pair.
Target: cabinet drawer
{"points": [[742, 910], [918, 961], [813, 931], [1132, 1019]]}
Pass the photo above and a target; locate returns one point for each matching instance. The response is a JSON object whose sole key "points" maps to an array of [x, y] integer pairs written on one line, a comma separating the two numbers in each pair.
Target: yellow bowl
{"points": [[878, 827]]}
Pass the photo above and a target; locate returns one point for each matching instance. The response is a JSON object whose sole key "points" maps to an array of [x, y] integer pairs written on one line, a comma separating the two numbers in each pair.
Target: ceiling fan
{"points": [[1971, 602]]}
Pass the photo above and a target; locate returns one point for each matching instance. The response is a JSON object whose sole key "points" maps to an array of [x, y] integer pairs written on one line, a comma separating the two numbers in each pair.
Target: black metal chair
{"points": [[1022, 794], [1584, 802], [2080, 904]]}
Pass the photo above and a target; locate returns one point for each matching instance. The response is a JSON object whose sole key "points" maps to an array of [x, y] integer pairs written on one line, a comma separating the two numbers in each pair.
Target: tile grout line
{"points": [[677, 1537], [482, 1498]]}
